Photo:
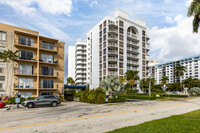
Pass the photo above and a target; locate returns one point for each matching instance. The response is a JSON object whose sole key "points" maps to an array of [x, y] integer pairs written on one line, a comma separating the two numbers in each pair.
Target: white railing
{"points": [[132, 49], [112, 59], [112, 44], [131, 35], [112, 73], [112, 37], [112, 51], [134, 56], [113, 30]]}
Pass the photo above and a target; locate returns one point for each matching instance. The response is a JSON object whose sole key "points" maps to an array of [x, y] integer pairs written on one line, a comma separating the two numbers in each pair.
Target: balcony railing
{"points": [[132, 49], [132, 43], [133, 62], [24, 72], [112, 59], [113, 30], [130, 55], [112, 44], [112, 37], [112, 52], [132, 68], [112, 73], [131, 35], [112, 66]]}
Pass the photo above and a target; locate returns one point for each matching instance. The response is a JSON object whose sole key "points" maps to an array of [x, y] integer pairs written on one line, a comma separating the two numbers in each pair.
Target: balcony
{"points": [[48, 74], [80, 62], [80, 66], [80, 71], [132, 68], [81, 48], [133, 44], [112, 73], [112, 66], [34, 47], [132, 37], [49, 49], [80, 81], [132, 62], [114, 38], [81, 58], [21, 59], [81, 53], [112, 59], [80, 76], [147, 57], [55, 63], [147, 46], [23, 72], [113, 30], [112, 44], [132, 56], [133, 50], [112, 52]]}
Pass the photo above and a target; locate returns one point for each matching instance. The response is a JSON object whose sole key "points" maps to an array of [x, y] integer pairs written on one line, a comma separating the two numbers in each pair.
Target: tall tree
{"points": [[70, 81], [7, 56], [164, 79], [132, 77], [194, 10], [179, 71]]}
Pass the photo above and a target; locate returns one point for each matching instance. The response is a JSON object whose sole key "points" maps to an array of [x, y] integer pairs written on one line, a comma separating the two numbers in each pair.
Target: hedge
{"points": [[140, 97]]}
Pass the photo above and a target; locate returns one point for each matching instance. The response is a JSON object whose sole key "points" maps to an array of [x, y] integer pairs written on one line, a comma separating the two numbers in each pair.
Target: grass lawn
{"points": [[185, 123]]}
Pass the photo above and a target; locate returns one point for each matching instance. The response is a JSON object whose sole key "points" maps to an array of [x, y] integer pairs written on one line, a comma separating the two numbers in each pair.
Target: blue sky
{"points": [[169, 28]]}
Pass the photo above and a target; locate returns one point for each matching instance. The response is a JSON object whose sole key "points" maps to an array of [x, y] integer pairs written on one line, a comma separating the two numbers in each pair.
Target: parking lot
{"points": [[82, 117]]}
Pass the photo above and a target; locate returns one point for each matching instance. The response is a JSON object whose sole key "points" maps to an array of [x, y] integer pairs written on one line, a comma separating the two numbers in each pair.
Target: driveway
{"points": [[76, 117]]}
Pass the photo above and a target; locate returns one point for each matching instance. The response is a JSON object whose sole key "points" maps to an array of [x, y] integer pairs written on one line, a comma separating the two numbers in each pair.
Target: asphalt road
{"points": [[74, 117]]}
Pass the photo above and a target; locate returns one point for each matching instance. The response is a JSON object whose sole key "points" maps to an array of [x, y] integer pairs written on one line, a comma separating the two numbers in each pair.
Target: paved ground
{"points": [[74, 117]]}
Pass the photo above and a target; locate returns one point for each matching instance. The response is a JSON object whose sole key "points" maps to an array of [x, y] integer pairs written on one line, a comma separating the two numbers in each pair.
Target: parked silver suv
{"points": [[42, 100]]}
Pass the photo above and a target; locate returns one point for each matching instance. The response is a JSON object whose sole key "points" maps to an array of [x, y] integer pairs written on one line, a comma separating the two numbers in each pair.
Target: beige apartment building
{"points": [[39, 70]]}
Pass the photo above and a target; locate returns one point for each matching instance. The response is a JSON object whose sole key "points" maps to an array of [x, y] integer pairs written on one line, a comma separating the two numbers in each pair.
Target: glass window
{"points": [[25, 69], [25, 83], [47, 58], [47, 83], [47, 45], [28, 55], [46, 93], [1, 69], [26, 41], [1, 85], [2, 35], [47, 71], [2, 78]]}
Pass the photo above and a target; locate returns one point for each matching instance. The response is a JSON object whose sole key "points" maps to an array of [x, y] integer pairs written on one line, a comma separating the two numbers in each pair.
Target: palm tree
{"points": [[164, 79], [179, 71], [7, 56], [150, 81], [132, 77], [194, 10], [70, 81], [111, 85]]}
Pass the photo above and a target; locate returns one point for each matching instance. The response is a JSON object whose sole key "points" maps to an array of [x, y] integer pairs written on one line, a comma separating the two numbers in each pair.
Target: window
{"points": [[2, 78], [47, 83], [47, 58], [1, 85], [121, 30], [2, 35], [25, 83], [47, 71], [47, 45], [1, 70], [121, 23], [25, 69], [28, 55], [26, 41], [46, 93]]}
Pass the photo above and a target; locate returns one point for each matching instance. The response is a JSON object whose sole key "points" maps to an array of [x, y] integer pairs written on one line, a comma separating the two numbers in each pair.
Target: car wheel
{"points": [[30, 105], [54, 104]]}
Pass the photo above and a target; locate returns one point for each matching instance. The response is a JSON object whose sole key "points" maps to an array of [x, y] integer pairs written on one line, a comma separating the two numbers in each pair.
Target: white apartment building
{"points": [[168, 69], [77, 63], [71, 61], [116, 45], [80, 63]]}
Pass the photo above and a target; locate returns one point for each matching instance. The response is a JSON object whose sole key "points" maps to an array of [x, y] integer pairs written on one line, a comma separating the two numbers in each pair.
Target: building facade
{"points": [[71, 61], [116, 45], [39, 70], [168, 69]]}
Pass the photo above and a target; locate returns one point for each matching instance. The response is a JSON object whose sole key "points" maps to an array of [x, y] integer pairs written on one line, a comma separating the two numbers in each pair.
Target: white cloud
{"points": [[177, 18], [188, 2], [173, 43], [55, 6], [168, 1], [49, 6]]}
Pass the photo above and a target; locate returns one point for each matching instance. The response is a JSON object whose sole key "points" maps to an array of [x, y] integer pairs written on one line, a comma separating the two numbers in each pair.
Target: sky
{"points": [[169, 28]]}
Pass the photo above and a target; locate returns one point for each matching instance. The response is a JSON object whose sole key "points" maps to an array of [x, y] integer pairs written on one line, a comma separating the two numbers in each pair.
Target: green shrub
{"points": [[12, 100], [139, 97], [95, 96], [194, 91], [116, 99], [29, 98]]}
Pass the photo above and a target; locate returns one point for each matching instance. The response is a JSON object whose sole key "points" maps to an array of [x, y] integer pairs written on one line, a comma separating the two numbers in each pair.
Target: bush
{"points": [[95, 96], [116, 99], [12, 100], [175, 96], [174, 87], [194, 91], [30, 98]]}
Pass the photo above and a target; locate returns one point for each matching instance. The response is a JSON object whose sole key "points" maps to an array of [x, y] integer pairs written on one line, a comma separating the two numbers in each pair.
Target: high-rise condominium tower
{"points": [[114, 46]]}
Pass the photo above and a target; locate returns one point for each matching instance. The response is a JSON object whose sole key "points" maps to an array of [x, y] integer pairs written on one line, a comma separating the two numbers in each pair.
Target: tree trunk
{"points": [[149, 88]]}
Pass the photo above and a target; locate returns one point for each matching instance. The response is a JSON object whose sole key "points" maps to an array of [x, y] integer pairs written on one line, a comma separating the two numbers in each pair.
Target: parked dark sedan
{"points": [[42, 100]]}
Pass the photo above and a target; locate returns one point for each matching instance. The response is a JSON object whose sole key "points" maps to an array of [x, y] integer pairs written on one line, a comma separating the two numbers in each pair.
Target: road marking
{"points": [[89, 117]]}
